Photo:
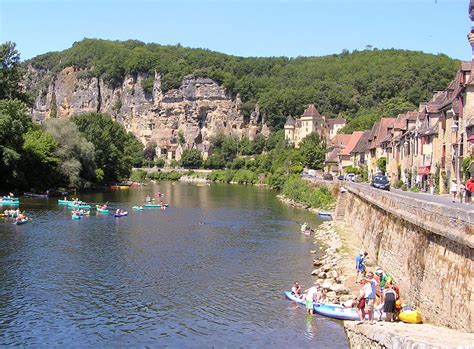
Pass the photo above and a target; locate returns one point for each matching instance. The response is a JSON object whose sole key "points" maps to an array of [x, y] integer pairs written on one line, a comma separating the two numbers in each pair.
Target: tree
{"points": [[10, 73], [76, 154], [41, 161], [14, 123], [382, 164], [215, 161], [191, 158], [116, 151], [313, 150]]}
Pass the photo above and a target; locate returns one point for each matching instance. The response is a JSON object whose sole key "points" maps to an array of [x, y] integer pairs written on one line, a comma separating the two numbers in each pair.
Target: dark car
{"points": [[381, 182], [341, 177], [328, 177]]}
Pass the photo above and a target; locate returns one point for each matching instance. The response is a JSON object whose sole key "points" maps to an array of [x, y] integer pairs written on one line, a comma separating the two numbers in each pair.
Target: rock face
{"points": [[198, 110]]}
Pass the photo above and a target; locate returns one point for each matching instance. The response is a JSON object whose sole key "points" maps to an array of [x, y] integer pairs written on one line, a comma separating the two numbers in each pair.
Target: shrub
{"points": [[160, 162], [138, 176]]}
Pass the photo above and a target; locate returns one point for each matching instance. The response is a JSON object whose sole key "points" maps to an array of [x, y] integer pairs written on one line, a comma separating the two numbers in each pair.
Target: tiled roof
{"points": [[311, 111], [340, 140], [332, 156], [363, 143], [336, 121], [290, 121], [353, 140], [379, 131]]}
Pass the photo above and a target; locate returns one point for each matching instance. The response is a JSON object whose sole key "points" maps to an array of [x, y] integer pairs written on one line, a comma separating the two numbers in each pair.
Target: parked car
{"points": [[381, 182], [341, 177], [328, 177], [350, 177]]}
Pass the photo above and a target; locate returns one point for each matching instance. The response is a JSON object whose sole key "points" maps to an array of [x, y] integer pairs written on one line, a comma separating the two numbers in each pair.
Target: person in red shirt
{"points": [[469, 189]]}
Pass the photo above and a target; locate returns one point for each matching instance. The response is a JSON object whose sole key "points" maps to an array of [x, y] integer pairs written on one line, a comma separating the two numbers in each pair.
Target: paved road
{"points": [[440, 199]]}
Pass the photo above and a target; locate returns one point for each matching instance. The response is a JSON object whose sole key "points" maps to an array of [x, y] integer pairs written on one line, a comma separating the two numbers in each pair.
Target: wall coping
{"points": [[452, 223]]}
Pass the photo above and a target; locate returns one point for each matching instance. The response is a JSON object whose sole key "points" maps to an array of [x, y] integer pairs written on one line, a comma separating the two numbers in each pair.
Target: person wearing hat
{"points": [[453, 188], [384, 277]]}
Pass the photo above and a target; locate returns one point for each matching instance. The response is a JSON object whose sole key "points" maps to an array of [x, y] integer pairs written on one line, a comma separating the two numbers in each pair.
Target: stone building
{"points": [[311, 122]]}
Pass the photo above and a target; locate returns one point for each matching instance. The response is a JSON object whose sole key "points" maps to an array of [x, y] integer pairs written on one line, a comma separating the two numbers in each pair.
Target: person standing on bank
{"points": [[369, 293], [469, 189], [453, 188]]}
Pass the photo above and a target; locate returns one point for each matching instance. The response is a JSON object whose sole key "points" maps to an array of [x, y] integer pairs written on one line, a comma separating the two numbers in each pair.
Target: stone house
{"points": [[311, 122], [359, 154], [378, 134], [334, 148]]}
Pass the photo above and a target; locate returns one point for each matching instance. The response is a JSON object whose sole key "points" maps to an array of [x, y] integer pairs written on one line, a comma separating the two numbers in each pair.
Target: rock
{"points": [[340, 289], [319, 282], [327, 284], [326, 268], [317, 263], [322, 275], [332, 274], [313, 252], [315, 272]]}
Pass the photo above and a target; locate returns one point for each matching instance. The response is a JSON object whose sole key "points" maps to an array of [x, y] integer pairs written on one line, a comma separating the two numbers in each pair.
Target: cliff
{"points": [[198, 109]]}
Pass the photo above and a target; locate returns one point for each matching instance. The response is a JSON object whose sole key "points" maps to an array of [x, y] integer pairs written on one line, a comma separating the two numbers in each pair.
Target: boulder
{"points": [[340, 289]]}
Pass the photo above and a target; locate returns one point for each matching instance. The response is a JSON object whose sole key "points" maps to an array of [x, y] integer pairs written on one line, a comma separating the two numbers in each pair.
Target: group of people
{"points": [[314, 294], [376, 290], [463, 190]]}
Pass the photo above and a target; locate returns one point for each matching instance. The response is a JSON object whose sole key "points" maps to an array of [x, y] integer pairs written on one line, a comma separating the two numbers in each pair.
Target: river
{"points": [[210, 271]]}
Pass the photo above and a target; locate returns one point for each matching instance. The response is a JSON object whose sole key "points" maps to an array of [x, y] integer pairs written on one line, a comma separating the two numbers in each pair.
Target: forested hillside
{"points": [[360, 86]]}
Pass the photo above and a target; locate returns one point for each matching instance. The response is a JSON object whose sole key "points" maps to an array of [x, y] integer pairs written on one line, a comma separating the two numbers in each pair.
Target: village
{"points": [[422, 150]]}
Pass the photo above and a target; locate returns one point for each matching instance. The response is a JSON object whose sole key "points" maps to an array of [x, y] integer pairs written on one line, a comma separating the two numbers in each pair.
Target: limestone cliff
{"points": [[198, 110]]}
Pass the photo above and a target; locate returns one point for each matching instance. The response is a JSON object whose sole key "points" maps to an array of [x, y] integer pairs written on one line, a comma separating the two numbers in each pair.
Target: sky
{"points": [[242, 27]]}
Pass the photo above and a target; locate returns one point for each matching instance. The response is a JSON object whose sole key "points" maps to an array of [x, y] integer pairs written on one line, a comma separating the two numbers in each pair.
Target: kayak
{"points": [[23, 221], [101, 210], [123, 214], [149, 200], [138, 208], [76, 216], [65, 202]]}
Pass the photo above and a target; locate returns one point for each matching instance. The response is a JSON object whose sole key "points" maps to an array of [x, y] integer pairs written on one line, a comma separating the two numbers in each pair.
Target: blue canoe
{"points": [[138, 208], [325, 214], [23, 221], [334, 311], [154, 205], [64, 202], [121, 215], [76, 216], [71, 206], [292, 297]]}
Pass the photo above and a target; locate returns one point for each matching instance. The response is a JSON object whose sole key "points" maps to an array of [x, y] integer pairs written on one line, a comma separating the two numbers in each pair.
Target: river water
{"points": [[160, 278]]}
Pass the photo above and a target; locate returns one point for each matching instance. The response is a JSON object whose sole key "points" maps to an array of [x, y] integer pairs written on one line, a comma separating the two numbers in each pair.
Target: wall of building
{"points": [[428, 248]]}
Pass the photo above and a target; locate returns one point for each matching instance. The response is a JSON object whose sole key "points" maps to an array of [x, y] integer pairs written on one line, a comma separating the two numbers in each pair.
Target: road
{"points": [[440, 199]]}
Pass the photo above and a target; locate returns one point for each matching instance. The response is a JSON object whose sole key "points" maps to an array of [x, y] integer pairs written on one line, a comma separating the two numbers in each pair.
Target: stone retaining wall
{"points": [[427, 247]]}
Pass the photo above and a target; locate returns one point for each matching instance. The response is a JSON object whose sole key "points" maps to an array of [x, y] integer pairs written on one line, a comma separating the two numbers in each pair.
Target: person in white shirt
{"points": [[453, 188]]}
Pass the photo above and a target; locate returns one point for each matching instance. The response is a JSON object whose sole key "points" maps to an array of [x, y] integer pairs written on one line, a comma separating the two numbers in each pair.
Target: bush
{"points": [[415, 189], [160, 162], [191, 158], [398, 184], [245, 177], [165, 176], [215, 161], [138, 176]]}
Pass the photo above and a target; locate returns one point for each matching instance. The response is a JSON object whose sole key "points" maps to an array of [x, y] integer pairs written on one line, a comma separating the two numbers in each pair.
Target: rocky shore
{"points": [[191, 179], [329, 267], [296, 204]]}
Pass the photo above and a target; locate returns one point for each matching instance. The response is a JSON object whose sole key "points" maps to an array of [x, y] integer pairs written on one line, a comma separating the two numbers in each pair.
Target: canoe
{"points": [[292, 297], [121, 215], [336, 311], [9, 202], [137, 208], [7, 198], [149, 200], [154, 205], [34, 195], [79, 206], [324, 214], [410, 316], [76, 216], [65, 202], [23, 221], [101, 210]]}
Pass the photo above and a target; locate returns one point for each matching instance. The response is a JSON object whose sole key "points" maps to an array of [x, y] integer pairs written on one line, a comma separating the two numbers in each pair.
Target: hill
{"points": [[359, 85]]}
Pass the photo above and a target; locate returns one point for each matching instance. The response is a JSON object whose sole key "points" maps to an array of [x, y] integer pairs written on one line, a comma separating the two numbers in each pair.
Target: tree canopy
{"points": [[352, 85]]}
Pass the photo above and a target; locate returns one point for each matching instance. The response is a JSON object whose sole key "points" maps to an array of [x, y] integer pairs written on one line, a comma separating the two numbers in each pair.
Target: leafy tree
{"points": [[11, 73], [116, 151], [313, 150], [76, 154], [40, 159], [215, 161], [191, 158], [382, 164], [14, 123]]}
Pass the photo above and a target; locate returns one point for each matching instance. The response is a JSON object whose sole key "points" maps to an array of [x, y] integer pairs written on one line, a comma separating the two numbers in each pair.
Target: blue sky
{"points": [[242, 27]]}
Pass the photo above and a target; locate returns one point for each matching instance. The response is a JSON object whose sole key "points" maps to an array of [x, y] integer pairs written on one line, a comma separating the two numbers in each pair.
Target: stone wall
{"points": [[427, 247]]}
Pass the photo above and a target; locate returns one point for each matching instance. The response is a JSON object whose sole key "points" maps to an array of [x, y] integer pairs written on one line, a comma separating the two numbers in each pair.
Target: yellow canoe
{"points": [[411, 317]]}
